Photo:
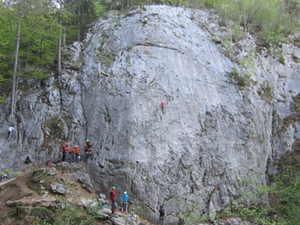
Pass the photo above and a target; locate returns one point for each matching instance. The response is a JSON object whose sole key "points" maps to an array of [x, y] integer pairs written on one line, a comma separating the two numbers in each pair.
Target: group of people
{"points": [[73, 153], [132, 215], [125, 200]]}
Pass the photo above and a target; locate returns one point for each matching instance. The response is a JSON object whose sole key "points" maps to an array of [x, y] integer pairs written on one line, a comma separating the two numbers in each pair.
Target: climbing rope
{"points": [[152, 148], [202, 137], [128, 179], [150, 177]]}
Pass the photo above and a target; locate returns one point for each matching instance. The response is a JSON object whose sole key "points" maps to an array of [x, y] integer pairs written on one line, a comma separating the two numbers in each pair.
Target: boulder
{"points": [[58, 188], [118, 218]]}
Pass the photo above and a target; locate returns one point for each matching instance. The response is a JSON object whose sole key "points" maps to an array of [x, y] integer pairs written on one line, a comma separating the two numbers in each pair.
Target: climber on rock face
{"points": [[10, 132], [145, 21], [162, 105]]}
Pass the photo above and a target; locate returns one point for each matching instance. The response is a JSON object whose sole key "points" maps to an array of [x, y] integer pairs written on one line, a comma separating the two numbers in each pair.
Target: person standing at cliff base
{"points": [[125, 199], [77, 153], [88, 150], [10, 132], [64, 151], [113, 197], [161, 215], [72, 153], [28, 160]]}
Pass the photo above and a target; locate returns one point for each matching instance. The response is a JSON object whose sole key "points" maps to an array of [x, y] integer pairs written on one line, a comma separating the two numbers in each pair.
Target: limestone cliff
{"points": [[223, 122]]}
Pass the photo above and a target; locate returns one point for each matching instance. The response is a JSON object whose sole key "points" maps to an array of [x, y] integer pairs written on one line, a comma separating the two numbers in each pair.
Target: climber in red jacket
{"points": [[112, 194], [162, 105], [113, 198]]}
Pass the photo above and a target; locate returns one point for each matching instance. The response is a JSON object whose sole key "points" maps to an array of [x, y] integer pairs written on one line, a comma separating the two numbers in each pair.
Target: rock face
{"points": [[216, 131]]}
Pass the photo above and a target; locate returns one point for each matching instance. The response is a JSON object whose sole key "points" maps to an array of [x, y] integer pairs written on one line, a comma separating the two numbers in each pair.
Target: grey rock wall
{"points": [[213, 136]]}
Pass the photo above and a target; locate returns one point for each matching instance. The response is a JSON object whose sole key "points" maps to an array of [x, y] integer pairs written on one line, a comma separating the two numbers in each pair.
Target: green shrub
{"points": [[55, 127], [273, 21], [289, 202], [241, 80], [248, 61], [38, 176], [266, 92], [64, 213]]}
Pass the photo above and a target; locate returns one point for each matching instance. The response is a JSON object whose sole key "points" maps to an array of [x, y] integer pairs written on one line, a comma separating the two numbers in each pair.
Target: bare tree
{"points": [[13, 96], [59, 41], [79, 21]]}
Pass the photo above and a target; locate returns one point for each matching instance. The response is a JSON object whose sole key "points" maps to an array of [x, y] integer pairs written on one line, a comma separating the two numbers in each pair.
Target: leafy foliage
{"points": [[272, 20], [266, 91], [242, 80], [41, 21], [54, 127], [289, 197], [284, 193], [288, 184], [64, 213], [193, 217], [39, 175]]}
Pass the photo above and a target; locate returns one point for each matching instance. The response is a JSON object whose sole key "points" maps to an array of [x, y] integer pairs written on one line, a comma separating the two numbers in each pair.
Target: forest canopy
{"points": [[32, 32]]}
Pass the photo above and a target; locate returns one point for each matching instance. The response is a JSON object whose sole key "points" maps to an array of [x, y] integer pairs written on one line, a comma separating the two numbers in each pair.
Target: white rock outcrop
{"points": [[213, 135]]}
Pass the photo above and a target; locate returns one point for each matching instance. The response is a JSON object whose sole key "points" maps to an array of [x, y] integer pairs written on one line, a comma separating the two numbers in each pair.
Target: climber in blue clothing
{"points": [[125, 199]]}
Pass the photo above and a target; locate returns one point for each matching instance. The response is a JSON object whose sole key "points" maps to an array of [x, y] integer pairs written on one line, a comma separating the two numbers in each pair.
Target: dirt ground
{"points": [[14, 189]]}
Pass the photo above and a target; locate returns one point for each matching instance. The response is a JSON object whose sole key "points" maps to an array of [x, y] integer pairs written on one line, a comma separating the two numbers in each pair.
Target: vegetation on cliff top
{"points": [[43, 23]]}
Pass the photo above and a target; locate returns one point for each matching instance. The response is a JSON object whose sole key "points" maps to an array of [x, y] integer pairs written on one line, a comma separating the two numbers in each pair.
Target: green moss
{"points": [[129, 47]]}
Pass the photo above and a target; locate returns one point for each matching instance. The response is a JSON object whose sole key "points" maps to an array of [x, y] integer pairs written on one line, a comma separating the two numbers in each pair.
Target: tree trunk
{"points": [[15, 68], [59, 42], [79, 21], [59, 50], [140, 12]]}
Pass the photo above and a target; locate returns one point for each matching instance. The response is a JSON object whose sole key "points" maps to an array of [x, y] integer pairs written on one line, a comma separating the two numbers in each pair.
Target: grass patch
{"points": [[39, 180]]}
